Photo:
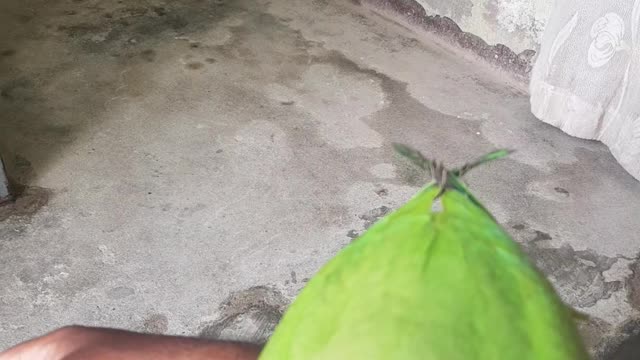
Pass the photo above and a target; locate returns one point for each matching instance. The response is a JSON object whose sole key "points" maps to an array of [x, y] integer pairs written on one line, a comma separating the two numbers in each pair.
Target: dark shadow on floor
{"points": [[61, 65], [628, 350]]}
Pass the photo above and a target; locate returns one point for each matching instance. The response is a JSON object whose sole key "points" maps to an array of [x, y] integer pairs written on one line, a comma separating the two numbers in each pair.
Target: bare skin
{"points": [[77, 342]]}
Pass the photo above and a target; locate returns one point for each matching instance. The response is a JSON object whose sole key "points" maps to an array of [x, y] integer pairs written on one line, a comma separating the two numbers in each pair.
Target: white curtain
{"points": [[586, 79]]}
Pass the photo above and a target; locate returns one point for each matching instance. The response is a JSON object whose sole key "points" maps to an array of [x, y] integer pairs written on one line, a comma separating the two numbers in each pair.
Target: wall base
{"points": [[498, 55]]}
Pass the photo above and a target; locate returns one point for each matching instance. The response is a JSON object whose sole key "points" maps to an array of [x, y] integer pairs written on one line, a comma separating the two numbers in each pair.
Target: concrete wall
{"points": [[518, 24]]}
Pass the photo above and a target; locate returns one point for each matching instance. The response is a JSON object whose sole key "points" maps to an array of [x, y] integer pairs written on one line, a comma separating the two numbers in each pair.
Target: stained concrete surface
{"points": [[189, 165]]}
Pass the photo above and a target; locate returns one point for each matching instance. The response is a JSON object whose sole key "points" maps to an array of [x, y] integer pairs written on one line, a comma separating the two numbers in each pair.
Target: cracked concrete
{"points": [[188, 166]]}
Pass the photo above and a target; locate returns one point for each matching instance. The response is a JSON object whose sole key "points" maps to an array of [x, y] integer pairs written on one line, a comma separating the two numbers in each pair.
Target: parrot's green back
{"points": [[432, 285]]}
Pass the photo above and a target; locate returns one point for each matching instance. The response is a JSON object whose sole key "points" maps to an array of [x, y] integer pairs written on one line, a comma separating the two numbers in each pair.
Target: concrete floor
{"points": [[191, 164]]}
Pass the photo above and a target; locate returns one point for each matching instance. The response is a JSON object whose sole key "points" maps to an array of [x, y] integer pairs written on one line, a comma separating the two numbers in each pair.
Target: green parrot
{"points": [[429, 282]]}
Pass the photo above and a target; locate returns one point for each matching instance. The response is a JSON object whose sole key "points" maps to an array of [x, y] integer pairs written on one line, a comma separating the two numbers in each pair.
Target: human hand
{"points": [[77, 342]]}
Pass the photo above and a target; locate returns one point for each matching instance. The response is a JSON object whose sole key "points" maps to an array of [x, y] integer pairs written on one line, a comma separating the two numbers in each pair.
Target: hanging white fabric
{"points": [[586, 79]]}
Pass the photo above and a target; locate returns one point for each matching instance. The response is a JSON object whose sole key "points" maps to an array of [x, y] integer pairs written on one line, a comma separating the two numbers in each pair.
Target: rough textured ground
{"points": [[191, 164]]}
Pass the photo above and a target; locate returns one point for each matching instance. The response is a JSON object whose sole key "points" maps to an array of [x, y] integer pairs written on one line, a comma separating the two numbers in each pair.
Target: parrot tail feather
{"points": [[446, 178], [494, 155]]}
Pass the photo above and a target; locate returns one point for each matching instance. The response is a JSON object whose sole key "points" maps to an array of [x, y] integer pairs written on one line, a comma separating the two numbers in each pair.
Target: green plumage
{"points": [[421, 284]]}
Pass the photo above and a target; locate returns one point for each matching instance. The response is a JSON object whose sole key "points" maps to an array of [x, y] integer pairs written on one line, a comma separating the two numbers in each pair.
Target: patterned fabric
{"points": [[586, 79]]}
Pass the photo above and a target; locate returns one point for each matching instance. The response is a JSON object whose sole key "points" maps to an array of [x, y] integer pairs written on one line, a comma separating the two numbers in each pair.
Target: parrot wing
{"points": [[432, 285]]}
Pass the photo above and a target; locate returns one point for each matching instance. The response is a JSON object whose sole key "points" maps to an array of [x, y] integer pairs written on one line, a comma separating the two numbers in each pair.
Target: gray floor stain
{"points": [[620, 343], [155, 324], [249, 315], [28, 201], [580, 271], [633, 284], [374, 215]]}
